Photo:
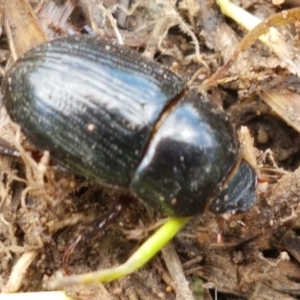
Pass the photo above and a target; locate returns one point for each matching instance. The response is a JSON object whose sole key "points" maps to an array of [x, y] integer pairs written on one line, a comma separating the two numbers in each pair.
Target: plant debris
{"points": [[246, 56]]}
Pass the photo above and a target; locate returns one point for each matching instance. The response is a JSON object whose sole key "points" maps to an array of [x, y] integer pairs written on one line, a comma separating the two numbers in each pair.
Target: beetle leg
{"points": [[96, 228], [8, 150]]}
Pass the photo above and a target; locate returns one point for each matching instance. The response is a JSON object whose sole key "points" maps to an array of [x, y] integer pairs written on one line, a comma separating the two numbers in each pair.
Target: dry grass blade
{"points": [[19, 272], [174, 266], [22, 27], [285, 103], [36, 296], [270, 36]]}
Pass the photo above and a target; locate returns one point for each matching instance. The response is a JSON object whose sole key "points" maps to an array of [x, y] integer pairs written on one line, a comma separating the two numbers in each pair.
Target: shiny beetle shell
{"points": [[107, 113]]}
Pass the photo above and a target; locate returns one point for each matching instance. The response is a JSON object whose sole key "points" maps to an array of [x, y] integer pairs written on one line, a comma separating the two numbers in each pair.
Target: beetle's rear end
{"points": [[91, 103]]}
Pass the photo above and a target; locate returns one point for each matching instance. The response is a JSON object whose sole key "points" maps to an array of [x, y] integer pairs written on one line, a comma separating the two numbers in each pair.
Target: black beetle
{"points": [[107, 113]]}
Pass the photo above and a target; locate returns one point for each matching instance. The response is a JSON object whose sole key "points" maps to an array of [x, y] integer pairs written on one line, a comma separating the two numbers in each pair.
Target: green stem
{"points": [[143, 254]]}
